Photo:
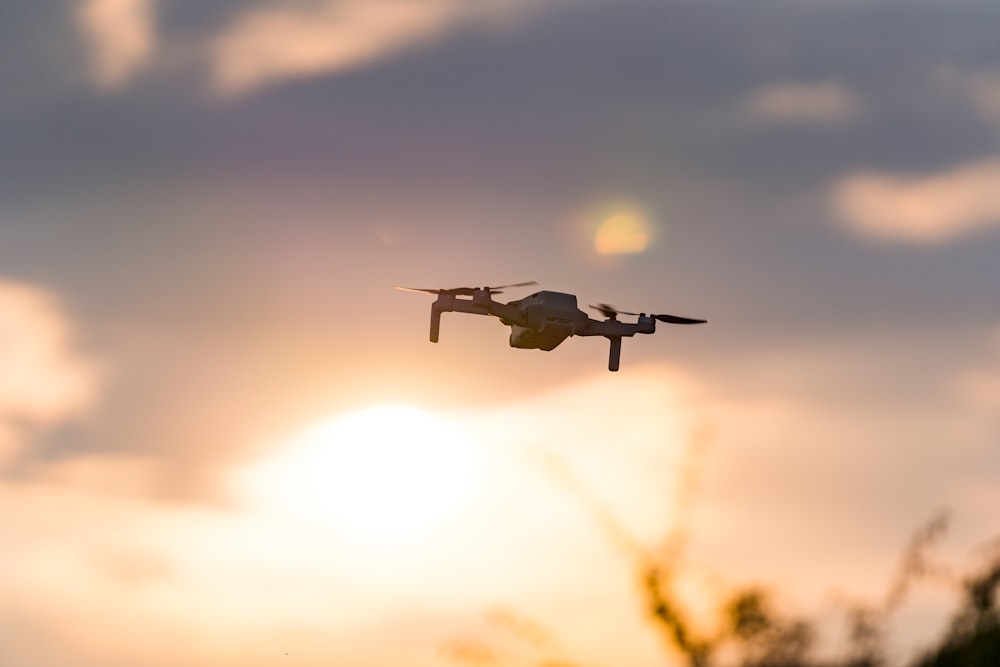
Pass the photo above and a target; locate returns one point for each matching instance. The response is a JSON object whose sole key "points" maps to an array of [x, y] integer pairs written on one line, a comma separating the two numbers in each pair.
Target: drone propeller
{"points": [[463, 291], [496, 290], [611, 312], [607, 310], [676, 319]]}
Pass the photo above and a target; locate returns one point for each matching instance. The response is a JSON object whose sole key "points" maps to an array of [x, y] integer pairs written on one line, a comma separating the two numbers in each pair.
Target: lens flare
{"points": [[623, 229]]}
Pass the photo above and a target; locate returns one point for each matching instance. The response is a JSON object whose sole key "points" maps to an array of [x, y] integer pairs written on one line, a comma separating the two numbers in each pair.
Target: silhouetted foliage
{"points": [[749, 632], [665, 609], [761, 638], [866, 637], [973, 639], [765, 640]]}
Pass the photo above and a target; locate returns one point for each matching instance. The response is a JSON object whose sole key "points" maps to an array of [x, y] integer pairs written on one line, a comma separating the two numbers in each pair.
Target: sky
{"points": [[203, 208]]}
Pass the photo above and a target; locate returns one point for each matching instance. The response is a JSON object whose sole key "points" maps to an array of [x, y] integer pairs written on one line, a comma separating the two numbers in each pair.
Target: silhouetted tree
{"points": [[764, 639], [749, 633], [669, 613], [973, 640]]}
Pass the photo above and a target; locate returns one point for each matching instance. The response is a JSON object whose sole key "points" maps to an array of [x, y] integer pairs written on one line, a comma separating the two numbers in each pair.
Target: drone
{"points": [[543, 320]]}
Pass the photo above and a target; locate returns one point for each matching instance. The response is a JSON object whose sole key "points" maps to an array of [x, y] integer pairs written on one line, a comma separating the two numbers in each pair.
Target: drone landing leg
{"points": [[435, 324], [616, 352]]}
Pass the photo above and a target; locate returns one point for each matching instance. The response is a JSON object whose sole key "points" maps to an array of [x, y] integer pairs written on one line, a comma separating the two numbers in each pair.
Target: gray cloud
{"points": [[794, 102]]}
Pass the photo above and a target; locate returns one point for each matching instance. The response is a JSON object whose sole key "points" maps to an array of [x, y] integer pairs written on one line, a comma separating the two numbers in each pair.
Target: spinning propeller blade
{"points": [[417, 289], [606, 309], [611, 312], [463, 291], [530, 282], [675, 319]]}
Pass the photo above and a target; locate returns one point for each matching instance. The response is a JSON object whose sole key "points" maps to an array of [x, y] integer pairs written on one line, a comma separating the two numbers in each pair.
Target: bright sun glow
{"points": [[389, 470]]}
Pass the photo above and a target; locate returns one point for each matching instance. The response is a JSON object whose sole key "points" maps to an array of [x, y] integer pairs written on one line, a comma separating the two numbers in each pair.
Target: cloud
{"points": [[275, 43], [979, 387], [42, 380], [246, 582], [923, 209], [828, 102], [980, 88], [121, 35], [276, 40], [95, 575], [984, 91]]}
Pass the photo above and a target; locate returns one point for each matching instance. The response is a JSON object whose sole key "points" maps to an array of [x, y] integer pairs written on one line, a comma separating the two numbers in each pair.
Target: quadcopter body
{"points": [[544, 319]]}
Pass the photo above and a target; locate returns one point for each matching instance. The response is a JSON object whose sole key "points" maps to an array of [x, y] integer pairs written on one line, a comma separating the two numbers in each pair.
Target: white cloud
{"points": [[280, 42], [827, 102], [121, 35], [925, 209], [42, 380]]}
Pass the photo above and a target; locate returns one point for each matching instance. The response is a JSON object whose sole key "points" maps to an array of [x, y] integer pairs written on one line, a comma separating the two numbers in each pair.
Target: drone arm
{"points": [[449, 304], [608, 328], [508, 314]]}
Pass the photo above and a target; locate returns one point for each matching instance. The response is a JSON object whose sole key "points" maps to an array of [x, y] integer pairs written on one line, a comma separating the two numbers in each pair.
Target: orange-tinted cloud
{"points": [[43, 380], [278, 42], [101, 574], [827, 102], [924, 209], [121, 35], [979, 387], [102, 577]]}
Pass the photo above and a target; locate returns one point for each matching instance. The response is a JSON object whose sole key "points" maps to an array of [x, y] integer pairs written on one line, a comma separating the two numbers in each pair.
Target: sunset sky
{"points": [[225, 440]]}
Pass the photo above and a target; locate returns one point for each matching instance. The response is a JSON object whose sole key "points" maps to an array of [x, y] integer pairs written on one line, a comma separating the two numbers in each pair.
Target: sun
{"points": [[390, 470]]}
